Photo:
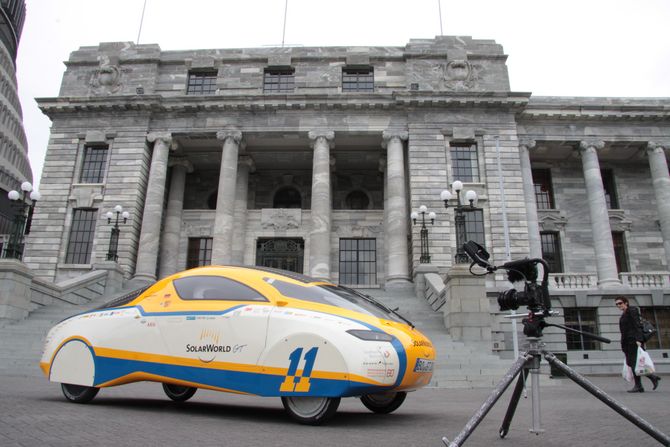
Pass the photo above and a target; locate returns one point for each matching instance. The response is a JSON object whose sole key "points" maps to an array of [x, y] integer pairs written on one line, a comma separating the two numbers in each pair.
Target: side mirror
{"points": [[477, 253]]}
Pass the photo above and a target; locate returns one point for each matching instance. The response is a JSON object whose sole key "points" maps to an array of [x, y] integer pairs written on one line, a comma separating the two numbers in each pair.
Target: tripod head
{"points": [[535, 296]]}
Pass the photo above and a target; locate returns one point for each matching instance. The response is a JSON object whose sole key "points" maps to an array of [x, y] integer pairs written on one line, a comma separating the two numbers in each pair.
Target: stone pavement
{"points": [[33, 412]]}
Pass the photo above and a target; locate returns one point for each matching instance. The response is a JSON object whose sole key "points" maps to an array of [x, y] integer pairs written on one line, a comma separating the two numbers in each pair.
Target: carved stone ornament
{"points": [[618, 220], [551, 220], [198, 229], [460, 75], [106, 80], [358, 230], [281, 219]]}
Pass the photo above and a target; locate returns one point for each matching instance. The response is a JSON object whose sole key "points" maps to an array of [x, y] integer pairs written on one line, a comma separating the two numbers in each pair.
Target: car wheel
{"points": [[179, 393], [384, 403], [310, 410], [78, 393]]}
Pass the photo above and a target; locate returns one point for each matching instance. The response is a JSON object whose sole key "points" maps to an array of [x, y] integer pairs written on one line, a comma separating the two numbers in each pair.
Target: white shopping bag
{"points": [[643, 366], [627, 372]]}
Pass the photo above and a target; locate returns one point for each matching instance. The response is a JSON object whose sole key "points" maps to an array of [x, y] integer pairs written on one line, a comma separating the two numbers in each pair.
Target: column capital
{"points": [[591, 143], [248, 161], [327, 135], [653, 146], [527, 143], [165, 137], [390, 134], [235, 134], [181, 162]]}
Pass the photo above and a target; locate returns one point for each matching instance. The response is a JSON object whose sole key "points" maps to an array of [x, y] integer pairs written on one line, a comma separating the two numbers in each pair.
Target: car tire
{"points": [[309, 410], [79, 394], [384, 403], [179, 393]]}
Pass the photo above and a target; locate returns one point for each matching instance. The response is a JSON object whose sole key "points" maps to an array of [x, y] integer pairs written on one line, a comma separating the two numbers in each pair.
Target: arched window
{"points": [[357, 200], [287, 197]]}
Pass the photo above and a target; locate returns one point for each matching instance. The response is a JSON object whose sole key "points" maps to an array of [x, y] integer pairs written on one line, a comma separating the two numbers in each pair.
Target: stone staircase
{"points": [[457, 365]]}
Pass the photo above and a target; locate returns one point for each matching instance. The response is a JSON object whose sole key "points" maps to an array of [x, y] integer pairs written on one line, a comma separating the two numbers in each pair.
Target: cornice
{"points": [[297, 101], [592, 110]]}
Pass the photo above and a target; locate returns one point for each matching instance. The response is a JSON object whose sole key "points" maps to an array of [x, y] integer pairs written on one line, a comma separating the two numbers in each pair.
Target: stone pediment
{"points": [[281, 218], [551, 220]]}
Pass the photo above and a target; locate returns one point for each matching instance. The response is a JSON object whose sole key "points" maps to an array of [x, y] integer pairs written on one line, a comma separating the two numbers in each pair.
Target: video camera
{"points": [[534, 296]]}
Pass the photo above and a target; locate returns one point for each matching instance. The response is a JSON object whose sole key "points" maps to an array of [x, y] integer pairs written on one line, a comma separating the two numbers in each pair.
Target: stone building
{"points": [[312, 159], [14, 164]]}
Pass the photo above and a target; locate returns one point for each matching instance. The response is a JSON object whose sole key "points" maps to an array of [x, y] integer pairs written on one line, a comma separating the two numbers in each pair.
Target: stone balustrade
{"points": [[573, 280], [645, 279]]}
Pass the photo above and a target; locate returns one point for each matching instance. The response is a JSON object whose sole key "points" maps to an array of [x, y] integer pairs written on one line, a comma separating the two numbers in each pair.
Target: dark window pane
{"points": [[583, 319], [287, 197], [201, 83], [610, 189], [464, 163], [93, 165], [620, 254], [357, 200], [474, 227], [278, 80], [544, 192], [660, 318], [215, 288], [199, 252], [82, 231], [358, 79], [358, 261], [551, 251]]}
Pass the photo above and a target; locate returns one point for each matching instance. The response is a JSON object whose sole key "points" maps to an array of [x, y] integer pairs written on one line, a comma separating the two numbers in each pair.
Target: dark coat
{"points": [[631, 332]]}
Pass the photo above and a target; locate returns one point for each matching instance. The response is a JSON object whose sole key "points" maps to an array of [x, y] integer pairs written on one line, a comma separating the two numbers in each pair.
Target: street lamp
{"points": [[23, 204], [112, 254], [459, 215], [425, 254]]}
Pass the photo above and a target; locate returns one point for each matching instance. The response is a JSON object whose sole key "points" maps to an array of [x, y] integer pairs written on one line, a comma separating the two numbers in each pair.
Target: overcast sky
{"points": [[560, 48]]}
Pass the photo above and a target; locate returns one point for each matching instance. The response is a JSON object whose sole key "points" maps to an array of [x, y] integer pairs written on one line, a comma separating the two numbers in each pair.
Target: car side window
{"points": [[215, 288]]}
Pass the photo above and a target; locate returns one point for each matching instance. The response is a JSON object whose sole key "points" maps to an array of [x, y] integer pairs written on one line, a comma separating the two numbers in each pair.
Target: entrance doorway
{"points": [[281, 253]]}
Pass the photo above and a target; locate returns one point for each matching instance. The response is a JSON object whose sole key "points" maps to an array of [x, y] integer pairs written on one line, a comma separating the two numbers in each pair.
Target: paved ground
{"points": [[34, 413]]}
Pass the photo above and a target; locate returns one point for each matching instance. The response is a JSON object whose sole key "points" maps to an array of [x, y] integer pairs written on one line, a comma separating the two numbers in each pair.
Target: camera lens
{"points": [[508, 300]]}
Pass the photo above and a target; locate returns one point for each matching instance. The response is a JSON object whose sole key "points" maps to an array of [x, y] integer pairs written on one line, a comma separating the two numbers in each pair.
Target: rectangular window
{"points": [[358, 261], [610, 189], [544, 192], [660, 318], [583, 319], [278, 80], [358, 79], [464, 163], [474, 227], [620, 254], [80, 243], [551, 251], [201, 83], [199, 252], [94, 164]]}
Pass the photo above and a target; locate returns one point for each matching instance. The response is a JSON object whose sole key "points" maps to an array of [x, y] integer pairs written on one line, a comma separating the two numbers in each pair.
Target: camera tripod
{"points": [[530, 361]]}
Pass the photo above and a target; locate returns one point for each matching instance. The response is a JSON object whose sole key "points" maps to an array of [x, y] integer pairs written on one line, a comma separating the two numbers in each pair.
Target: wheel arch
{"points": [[73, 362]]}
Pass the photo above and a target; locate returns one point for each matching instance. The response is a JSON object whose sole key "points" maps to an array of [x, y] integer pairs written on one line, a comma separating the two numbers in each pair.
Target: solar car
{"points": [[246, 330]]}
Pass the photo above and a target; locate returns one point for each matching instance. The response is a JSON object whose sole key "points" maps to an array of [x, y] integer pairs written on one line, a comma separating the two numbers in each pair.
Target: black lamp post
{"points": [[425, 254], [23, 203], [459, 216], [112, 254]]}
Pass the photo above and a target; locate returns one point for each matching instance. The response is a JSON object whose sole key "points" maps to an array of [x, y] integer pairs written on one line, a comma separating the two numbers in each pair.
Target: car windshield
{"points": [[335, 296]]}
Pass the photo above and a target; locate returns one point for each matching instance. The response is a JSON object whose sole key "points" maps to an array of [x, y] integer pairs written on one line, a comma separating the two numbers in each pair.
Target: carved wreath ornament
{"points": [[106, 79], [460, 75]]}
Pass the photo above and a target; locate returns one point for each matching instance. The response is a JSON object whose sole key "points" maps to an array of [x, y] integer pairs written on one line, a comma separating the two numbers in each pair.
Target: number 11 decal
{"points": [[299, 383]]}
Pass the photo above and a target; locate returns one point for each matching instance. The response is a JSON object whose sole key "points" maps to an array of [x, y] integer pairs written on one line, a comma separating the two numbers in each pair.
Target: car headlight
{"points": [[367, 335]]}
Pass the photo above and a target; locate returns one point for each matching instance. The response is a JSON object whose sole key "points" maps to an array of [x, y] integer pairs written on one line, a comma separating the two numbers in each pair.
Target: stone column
{"points": [[319, 236], [222, 245], [173, 217], [382, 169], [245, 165], [147, 252], [658, 165], [529, 197], [600, 221], [396, 216]]}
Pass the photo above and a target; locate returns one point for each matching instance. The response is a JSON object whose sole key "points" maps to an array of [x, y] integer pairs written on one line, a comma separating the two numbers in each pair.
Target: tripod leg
{"points": [[490, 401], [518, 389], [607, 400]]}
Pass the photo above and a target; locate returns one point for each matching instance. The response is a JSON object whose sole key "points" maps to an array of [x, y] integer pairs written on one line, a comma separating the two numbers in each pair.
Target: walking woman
{"points": [[631, 339]]}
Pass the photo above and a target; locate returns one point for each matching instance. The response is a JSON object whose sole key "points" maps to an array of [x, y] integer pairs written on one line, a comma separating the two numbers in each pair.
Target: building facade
{"points": [[312, 159], [14, 165]]}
